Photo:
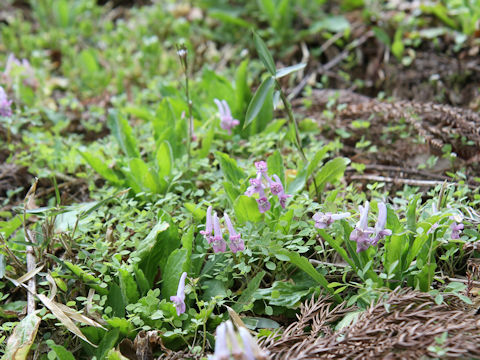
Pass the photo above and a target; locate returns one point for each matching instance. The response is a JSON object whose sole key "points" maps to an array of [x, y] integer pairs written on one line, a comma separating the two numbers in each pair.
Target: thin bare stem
{"points": [[292, 120], [182, 54]]}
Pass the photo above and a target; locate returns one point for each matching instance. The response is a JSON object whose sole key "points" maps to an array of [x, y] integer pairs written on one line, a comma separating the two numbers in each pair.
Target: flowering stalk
{"points": [[182, 54], [236, 242], [5, 104], [179, 299]]}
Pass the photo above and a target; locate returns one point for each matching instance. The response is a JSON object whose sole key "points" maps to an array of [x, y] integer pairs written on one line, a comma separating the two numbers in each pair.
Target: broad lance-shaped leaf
{"points": [[331, 172], [230, 169], [19, 343], [264, 54], [258, 100], [247, 294], [122, 131], [289, 69], [303, 264]]}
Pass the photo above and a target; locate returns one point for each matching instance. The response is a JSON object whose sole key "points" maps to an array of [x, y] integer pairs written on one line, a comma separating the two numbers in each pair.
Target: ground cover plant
{"points": [[269, 179]]}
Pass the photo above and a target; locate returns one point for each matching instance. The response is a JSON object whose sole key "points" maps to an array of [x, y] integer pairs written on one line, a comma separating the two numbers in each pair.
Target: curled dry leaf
{"points": [[19, 343]]}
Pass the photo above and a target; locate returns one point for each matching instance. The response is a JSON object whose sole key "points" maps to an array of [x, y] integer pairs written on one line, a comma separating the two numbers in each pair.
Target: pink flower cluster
{"points": [[261, 182], [364, 235], [179, 299], [5, 104], [239, 345], [227, 122], [213, 233], [15, 67]]}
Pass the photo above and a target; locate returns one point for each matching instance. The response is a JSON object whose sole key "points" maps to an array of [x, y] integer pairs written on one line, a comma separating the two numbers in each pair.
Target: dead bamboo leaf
{"points": [[25, 277], [72, 314], [19, 343], [62, 317]]}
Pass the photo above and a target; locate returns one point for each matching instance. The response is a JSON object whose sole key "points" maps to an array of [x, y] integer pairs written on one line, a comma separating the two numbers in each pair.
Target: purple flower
{"points": [[207, 233], [236, 242], [218, 244], [179, 299], [276, 186], [256, 186], [227, 122], [380, 231], [221, 347], [456, 230], [5, 104], [282, 199], [361, 233], [323, 220], [261, 167], [433, 228], [263, 204]]}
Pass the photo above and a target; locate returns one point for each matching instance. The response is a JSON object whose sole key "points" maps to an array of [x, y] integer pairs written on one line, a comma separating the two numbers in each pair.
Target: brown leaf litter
{"points": [[406, 325]]}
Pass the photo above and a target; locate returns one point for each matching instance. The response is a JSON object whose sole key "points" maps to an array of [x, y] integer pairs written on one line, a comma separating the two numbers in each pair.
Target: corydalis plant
{"points": [[227, 122], [239, 345], [324, 220], [364, 235], [179, 299], [214, 236], [261, 182], [5, 104]]}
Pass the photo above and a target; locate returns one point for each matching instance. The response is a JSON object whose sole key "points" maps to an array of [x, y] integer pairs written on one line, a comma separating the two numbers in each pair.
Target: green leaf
{"points": [[22, 338], [298, 183], [397, 46], [303, 264], [115, 355], [247, 294], [195, 210], [258, 100], [284, 294], [289, 69], [107, 343], [141, 280], [141, 176], [317, 158], [98, 163], [336, 245], [331, 172], [164, 159], [156, 248], [242, 90], [86, 278], [275, 166], [381, 35], [269, 8], [123, 133], [232, 191], [60, 351], [123, 325], [264, 54], [206, 143], [177, 263], [230, 169], [128, 286], [116, 300], [246, 209]]}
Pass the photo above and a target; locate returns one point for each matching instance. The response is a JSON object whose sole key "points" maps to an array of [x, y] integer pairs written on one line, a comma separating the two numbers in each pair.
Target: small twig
{"points": [[411, 182], [31, 263], [400, 170], [465, 281]]}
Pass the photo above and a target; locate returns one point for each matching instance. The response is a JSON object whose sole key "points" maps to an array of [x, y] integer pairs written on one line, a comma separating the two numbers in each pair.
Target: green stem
{"points": [[292, 120]]}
